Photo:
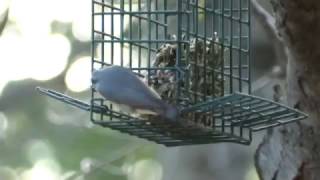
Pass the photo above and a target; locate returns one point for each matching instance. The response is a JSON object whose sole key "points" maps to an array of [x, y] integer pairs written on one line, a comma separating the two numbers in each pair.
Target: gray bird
{"points": [[121, 86]]}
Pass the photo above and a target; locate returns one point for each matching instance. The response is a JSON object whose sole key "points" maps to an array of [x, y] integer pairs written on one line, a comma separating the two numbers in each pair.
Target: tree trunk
{"points": [[293, 152]]}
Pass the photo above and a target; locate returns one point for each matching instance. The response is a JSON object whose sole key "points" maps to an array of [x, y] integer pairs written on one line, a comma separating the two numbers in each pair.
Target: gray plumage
{"points": [[121, 86]]}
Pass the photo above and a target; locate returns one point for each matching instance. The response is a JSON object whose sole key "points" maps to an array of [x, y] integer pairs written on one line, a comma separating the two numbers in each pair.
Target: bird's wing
{"points": [[151, 90], [139, 100], [131, 78]]}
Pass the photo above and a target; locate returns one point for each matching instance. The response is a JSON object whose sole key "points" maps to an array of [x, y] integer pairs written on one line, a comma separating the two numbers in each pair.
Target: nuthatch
{"points": [[121, 86]]}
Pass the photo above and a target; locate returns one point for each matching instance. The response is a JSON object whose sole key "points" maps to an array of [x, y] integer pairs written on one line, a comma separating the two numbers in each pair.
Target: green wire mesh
{"points": [[196, 55], [189, 51], [236, 117], [205, 43]]}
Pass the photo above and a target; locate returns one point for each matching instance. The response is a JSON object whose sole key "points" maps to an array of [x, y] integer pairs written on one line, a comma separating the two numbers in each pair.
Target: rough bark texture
{"points": [[293, 152]]}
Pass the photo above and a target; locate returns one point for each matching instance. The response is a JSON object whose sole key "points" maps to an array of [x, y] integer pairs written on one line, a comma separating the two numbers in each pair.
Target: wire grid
{"points": [[247, 111], [237, 116], [161, 132], [230, 20], [129, 33], [233, 116]]}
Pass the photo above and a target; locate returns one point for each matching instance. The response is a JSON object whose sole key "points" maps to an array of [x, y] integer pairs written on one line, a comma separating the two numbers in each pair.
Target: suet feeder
{"points": [[197, 55]]}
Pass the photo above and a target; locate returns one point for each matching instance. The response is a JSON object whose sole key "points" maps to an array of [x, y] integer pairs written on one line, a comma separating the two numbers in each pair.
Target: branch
{"points": [[266, 19], [3, 20], [269, 22]]}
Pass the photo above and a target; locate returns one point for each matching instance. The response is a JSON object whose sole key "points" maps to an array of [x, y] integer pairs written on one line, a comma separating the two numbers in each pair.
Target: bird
{"points": [[121, 86]]}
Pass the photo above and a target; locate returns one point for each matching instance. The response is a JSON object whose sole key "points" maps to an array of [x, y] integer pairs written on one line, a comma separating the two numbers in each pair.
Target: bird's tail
{"points": [[171, 112], [167, 111]]}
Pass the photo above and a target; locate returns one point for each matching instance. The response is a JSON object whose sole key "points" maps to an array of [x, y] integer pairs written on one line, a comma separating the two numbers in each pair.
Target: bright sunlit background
{"points": [[30, 48], [37, 51], [47, 43]]}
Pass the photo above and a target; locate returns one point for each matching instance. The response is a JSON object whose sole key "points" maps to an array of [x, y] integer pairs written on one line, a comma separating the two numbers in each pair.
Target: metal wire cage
{"points": [[198, 40], [196, 55]]}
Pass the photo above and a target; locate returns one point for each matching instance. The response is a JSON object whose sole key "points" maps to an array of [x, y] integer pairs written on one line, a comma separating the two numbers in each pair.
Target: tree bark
{"points": [[292, 152]]}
